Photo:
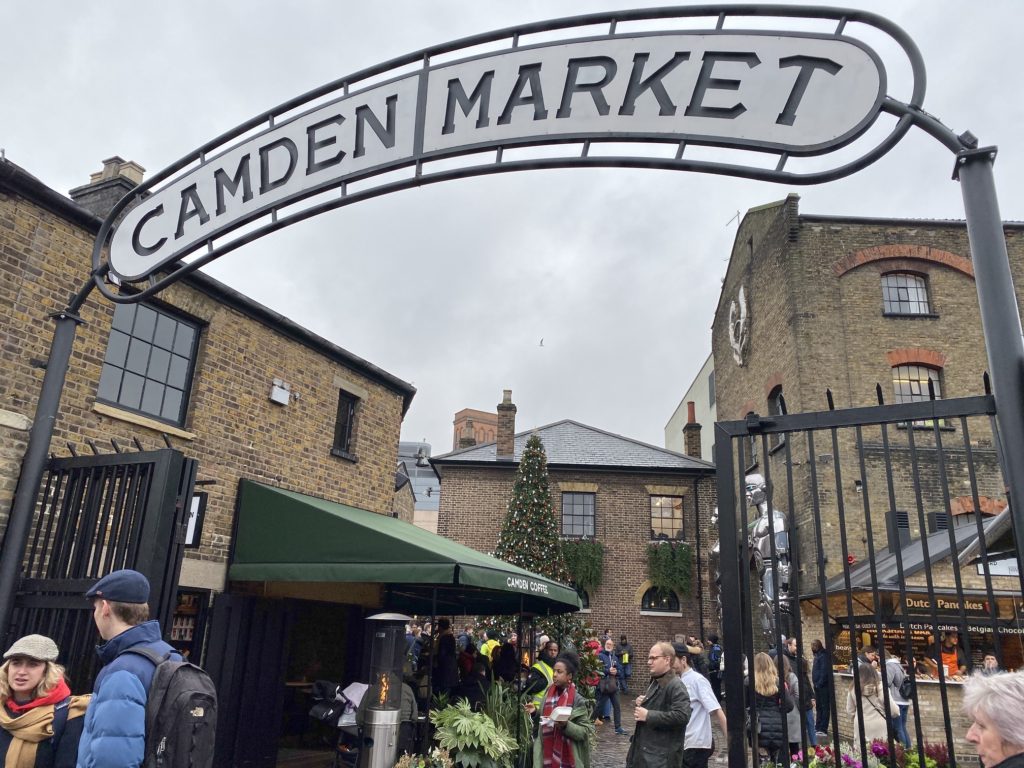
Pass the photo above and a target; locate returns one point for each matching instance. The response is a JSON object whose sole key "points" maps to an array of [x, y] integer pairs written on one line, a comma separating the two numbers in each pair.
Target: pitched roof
{"points": [[568, 443]]}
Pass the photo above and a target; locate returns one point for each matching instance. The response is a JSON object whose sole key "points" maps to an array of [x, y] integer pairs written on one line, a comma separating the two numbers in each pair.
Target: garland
{"points": [[584, 559], [670, 567]]}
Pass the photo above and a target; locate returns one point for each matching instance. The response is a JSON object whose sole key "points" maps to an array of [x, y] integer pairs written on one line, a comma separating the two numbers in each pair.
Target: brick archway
{"points": [[917, 252], [916, 356]]}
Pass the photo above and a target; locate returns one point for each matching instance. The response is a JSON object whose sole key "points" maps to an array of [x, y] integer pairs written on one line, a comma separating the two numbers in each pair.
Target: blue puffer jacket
{"points": [[114, 735]]}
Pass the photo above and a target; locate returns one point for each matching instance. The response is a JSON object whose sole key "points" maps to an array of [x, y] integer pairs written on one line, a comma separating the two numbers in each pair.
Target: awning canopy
{"points": [[284, 536]]}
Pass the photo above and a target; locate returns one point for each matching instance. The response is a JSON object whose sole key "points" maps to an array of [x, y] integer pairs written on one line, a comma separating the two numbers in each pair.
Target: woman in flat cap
{"points": [[563, 743], [40, 721]]}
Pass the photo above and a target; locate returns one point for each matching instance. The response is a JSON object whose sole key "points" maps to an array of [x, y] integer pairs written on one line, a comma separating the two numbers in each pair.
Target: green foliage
{"points": [[529, 534], [584, 559], [670, 567], [505, 707], [473, 738]]}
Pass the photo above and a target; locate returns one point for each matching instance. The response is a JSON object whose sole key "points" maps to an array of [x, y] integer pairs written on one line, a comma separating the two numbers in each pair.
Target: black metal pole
{"points": [[19, 522], [1000, 319]]}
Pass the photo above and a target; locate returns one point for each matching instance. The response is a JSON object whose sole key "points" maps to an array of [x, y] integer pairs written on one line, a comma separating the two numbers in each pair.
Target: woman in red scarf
{"points": [[563, 742], [40, 721]]}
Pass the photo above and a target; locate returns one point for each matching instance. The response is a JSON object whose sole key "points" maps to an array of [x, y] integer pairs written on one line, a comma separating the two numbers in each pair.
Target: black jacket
{"points": [[821, 670], [771, 719]]}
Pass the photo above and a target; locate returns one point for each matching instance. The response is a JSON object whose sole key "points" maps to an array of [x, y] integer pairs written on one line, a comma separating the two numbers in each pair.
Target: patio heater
{"points": [[383, 711]]}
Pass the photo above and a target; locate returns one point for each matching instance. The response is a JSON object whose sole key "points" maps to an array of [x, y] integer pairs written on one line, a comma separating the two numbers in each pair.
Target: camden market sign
{"points": [[783, 93]]}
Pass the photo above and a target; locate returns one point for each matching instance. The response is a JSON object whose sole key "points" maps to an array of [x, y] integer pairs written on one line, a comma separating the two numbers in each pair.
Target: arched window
{"points": [[910, 383], [905, 293], [659, 601]]}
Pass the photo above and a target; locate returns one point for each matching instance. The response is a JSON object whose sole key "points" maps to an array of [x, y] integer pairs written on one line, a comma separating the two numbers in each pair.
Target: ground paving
{"points": [[610, 748]]}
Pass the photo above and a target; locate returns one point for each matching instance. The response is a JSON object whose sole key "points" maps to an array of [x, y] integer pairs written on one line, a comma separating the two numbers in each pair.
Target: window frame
{"points": [[891, 308], [655, 536], [776, 439], [921, 398], [345, 449], [181, 319], [584, 495], [647, 607]]}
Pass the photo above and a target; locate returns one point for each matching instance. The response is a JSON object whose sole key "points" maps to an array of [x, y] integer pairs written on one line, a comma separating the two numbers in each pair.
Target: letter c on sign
{"points": [[137, 246]]}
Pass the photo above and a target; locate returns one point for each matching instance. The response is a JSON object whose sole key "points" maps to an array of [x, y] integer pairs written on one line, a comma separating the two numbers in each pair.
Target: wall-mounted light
{"points": [[280, 392]]}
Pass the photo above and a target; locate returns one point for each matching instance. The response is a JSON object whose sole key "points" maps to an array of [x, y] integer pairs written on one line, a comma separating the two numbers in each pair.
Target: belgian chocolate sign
{"points": [[788, 93]]}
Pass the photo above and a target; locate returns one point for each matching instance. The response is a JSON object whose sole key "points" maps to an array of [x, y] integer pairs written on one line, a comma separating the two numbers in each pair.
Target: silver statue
{"points": [[769, 565]]}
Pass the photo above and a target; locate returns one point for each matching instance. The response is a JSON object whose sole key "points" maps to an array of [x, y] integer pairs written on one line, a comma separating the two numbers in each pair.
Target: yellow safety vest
{"points": [[544, 669]]}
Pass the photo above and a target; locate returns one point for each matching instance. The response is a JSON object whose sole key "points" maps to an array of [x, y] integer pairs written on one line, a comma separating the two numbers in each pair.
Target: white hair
{"points": [[1000, 698]]}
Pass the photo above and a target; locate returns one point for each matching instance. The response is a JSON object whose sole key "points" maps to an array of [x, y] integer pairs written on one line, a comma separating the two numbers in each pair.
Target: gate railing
{"points": [[97, 514], [881, 528]]}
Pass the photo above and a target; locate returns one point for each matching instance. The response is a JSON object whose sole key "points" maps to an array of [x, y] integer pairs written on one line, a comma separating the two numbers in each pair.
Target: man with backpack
{"points": [[147, 704], [900, 691], [715, 666]]}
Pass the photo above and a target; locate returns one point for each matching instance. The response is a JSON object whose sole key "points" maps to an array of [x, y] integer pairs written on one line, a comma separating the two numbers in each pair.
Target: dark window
{"points": [[343, 427], [149, 363], [578, 515], [904, 293], [666, 517], [711, 390], [584, 596], [775, 409], [664, 601]]}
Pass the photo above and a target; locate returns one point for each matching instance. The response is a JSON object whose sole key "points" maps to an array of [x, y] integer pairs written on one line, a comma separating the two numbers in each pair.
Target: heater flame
{"points": [[385, 683]]}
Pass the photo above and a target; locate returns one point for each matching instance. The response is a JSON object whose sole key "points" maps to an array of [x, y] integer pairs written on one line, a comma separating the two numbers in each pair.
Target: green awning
{"points": [[283, 536]]}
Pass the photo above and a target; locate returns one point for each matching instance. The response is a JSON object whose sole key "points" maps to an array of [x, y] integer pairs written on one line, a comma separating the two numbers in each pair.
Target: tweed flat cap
{"points": [[125, 586], [37, 647]]}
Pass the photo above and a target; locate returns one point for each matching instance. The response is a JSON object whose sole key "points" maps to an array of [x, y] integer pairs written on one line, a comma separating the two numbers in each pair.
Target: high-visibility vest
{"points": [[548, 672], [487, 647]]}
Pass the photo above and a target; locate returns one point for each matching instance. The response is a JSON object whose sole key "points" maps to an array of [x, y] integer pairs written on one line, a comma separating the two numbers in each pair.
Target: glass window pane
{"points": [[124, 314], [178, 372], [110, 383], [117, 348], [184, 339], [164, 336], [152, 397], [172, 404], [159, 360], [138, 356], [131, 391], [145, 324]]}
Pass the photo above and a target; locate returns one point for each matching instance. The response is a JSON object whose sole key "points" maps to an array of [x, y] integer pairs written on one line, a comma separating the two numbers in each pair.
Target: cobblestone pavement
{"points": [[610, 749]]}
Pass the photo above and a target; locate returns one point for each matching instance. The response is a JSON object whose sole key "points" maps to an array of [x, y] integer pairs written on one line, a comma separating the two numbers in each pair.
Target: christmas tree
{"points": [[529, 534]]}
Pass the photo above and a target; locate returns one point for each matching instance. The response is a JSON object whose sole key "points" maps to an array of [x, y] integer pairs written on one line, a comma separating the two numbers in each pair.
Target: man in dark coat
{"points": [[821, 677], [661, 715]]}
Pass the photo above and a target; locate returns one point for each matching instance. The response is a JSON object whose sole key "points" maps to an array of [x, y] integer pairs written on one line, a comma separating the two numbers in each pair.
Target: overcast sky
{"points": [[452, 286]]}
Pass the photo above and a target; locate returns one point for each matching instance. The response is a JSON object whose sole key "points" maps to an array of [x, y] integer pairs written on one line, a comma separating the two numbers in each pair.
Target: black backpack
{"points": [[907, 687], [181, 714]]}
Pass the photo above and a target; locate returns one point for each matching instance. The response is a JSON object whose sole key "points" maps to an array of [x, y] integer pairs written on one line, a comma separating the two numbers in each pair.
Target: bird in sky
{"points": [[541, 342]]}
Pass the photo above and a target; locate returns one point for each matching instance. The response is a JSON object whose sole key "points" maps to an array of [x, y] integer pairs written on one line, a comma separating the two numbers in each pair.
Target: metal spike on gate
{"points": [[987, 382], [782, 404], [117, 448], [831, 402], [92, 444], [878, 394], [138, 445], [931, 388], [71, 449]]}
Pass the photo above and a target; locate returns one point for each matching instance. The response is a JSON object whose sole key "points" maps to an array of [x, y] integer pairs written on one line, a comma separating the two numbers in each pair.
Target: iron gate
{"points": [[883, 528], [97, 514]]}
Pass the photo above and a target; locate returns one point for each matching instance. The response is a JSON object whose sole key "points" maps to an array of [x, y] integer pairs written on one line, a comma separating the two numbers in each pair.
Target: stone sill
{"points": [[142, 421], [664, 614]]}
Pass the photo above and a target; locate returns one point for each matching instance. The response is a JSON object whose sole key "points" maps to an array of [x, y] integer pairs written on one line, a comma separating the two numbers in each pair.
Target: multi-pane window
{"points": [[149, 362], [343, 426], [666, 517], [578, 514], [661, 601], [904, 293], [910, 383]]}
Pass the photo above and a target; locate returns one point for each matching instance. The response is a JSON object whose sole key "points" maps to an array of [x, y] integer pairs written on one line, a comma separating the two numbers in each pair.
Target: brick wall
{"points": [[231, 427], [473, 506]]}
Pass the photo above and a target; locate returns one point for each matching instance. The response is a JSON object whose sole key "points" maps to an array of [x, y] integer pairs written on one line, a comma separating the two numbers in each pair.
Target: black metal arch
{"points": [[907, 114]]}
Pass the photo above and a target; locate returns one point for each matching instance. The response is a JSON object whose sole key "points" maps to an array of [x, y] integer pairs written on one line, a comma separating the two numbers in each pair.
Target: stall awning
{"points": [[284, 536]]}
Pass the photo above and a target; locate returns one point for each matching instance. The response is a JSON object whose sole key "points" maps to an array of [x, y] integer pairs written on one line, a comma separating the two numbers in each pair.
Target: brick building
{"points": [[868, 307], [618, 491]]}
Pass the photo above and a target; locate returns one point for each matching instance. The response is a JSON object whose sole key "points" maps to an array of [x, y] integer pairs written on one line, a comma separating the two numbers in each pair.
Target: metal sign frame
{"points": [[178, 187]]}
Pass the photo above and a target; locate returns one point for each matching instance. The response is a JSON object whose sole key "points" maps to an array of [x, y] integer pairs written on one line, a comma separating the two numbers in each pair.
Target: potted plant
{"points": [[472, 738]]}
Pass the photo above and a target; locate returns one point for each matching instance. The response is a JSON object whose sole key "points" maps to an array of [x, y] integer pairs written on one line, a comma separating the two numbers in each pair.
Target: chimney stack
{"points": [[106, 187], [506, 427], [691, 432], [468, 438]]}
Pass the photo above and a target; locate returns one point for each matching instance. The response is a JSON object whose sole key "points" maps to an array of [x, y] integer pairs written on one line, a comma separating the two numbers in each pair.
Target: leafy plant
{"points": [[670, 567], [584, 559], [436, 758], [474, 738], [505, 707]]}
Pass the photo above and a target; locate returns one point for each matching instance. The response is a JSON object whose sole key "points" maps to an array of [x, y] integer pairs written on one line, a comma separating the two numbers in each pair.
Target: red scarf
{"points": [[57, 695], [557, 746]]}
